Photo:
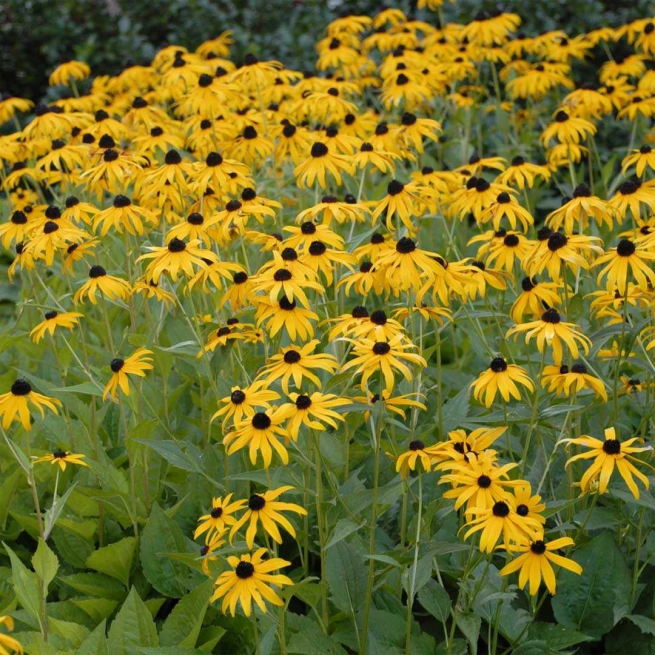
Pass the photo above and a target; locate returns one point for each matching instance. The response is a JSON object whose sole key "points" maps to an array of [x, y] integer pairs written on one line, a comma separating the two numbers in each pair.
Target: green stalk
{"points": [[320, 519]]}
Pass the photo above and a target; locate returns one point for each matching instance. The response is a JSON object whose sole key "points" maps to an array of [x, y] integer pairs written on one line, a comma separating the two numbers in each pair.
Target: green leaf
{"points": [[26, 585], [96, 642], [534, 647], [455, 410], [435, 599], [646, 625], [45, 563], [595, 601], [343, 529], [314, 642], [182, 626], [95, 584], [97, 608], [470, 625], [72, 632], [346, 577], [172, 453], [556, 636], [133, 627], [160, 536], [53, 513], [115, 560], [170, 650]]}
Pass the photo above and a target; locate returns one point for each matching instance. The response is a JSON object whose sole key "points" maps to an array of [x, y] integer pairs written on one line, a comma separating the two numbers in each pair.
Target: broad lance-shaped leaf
{"points": [[183, 624], [115, 560], [597, 600], [26, 585], [132, 628], [346, 576], [161, 536], [45, 563]]}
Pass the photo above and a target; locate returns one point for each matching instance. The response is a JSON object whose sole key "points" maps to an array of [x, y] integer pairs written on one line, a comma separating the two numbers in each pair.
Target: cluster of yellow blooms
{"points": [[170, 160]]}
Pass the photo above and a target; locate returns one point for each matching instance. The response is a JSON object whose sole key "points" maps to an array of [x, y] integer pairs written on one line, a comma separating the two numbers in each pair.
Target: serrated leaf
{"points": [[160, 536], [26, 585], [435, 599], [596, 600], [115, 559], [97, 608], [132, 628], [96, 642], [45, 563], [182, 626]]}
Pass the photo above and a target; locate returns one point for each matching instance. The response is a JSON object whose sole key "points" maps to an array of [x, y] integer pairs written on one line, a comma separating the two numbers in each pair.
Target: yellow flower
{"points": [[607, 455], [52, 321], [535, 563], [108, 285], [320, 162], [7, 642], [267, 509], [177, 257], [136, 364], [249, 580], [500, 377], [61, 457], [15, 404], [215, 523], [70, 70]]}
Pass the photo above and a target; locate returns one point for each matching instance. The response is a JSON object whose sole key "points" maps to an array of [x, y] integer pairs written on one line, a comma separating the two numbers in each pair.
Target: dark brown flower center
{"points": [[244, 570]]}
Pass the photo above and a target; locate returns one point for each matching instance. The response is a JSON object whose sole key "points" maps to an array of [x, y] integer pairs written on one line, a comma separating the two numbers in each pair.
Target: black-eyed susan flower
{"points": [[501, 519], [502, 378], [320, 162], [136, 364], [535, 563], [384, 357], [15, 404], [99, 281], [243, 403], [61, 458], [9, 645], [416, 457], [551, 331], [477, 481], [521, 173], [152, 290], [534, 299], [567, 129], [53, 320], [506, 206], [562, 252], [297, 363], [250, 579], [285, 314], [633, 196], [219, 518], [526, 504], [514, 247], [175, 258], [266, 509], [565, 380], [403, 201], [123, 215], [607, 456], [627, 260], [261, 433], [313, 410], [641, 159], [396, 404]]}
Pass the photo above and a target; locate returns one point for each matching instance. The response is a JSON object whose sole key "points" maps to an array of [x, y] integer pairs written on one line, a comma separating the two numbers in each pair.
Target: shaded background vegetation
{"points": [[36, 35]]}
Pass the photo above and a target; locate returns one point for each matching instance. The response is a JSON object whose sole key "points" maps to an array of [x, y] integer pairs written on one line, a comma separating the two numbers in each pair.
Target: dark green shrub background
{"points": [[36, 35]]}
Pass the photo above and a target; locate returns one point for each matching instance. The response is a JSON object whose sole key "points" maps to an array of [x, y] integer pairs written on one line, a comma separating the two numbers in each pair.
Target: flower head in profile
{"points": [[502, 378], [250, 579], [136, 364], [177, 257], [108, 285], [67, 73], [607, 456], [61, 458], [53, 320], [418, 456], [536, 560], [266, 509], [15, 404]]}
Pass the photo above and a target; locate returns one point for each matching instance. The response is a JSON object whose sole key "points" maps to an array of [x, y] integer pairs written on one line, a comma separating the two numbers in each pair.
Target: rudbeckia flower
{"points": [[534, 298], [607, 456], [460, 446], [535, 563], [320, 162], [551, 331], [477, 481], [8, 643], [249, 579], [566, 381], [54, 320], [403, 201], [70, 70], [417, 456], [15, 404], [136, 364], [502, 378], [383, 356], [567, 129], [575, 212], [313, 411], [499, 519], [561, 251], [243, 403], [632, 195], [506, 206], [175, 258], [522, 173], [219, 518], [626, 258], [267, 509], [261, 433], [110, 286], [641, 159], [61, 458]]}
